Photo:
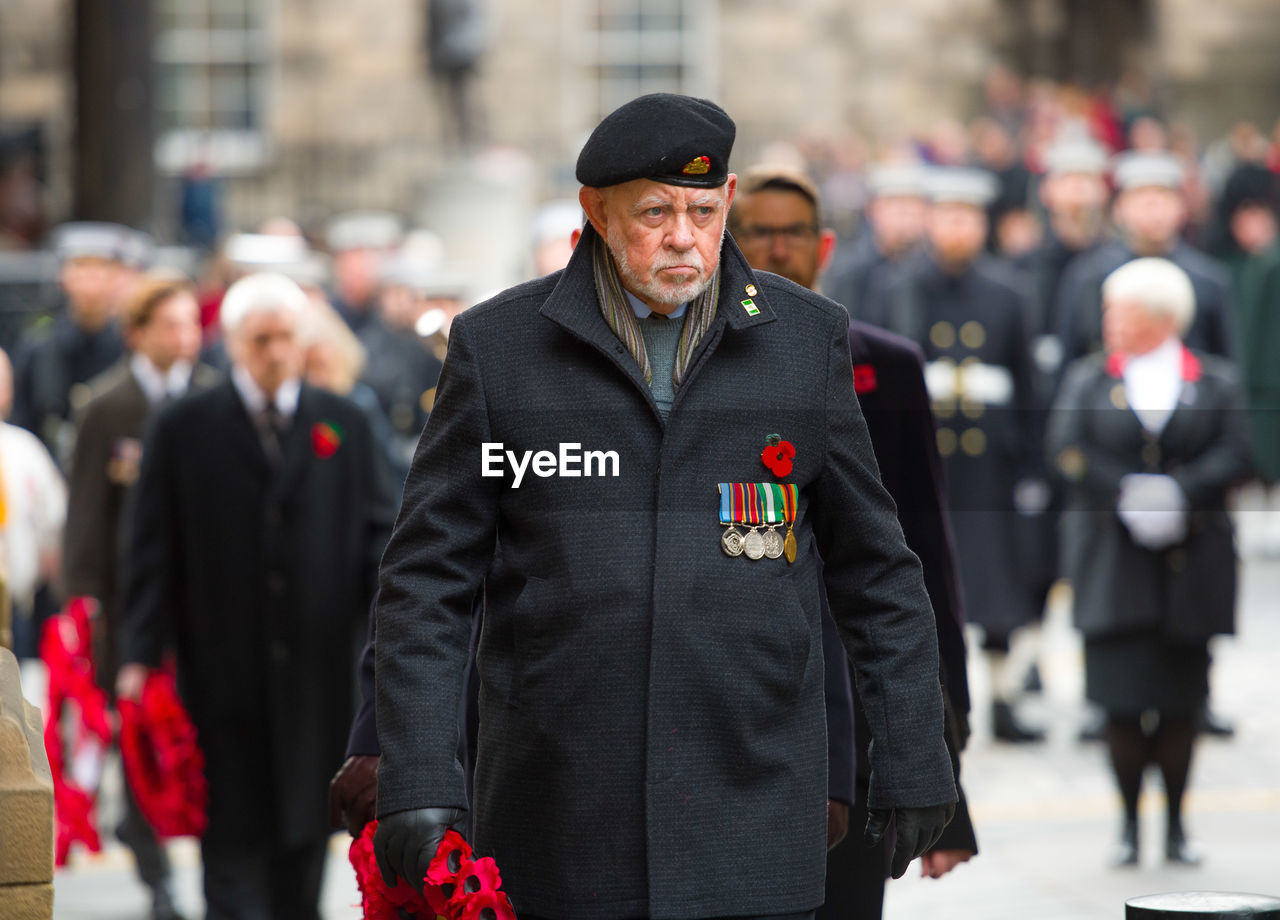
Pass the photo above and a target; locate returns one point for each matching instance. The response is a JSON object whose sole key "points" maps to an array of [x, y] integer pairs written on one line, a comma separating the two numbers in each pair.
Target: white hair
{"points": [[1162, 288], [264, 292]]}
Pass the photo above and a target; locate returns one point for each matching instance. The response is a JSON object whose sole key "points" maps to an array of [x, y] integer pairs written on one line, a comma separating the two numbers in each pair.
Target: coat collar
{"points": [[573, 306], [1191, 367]]}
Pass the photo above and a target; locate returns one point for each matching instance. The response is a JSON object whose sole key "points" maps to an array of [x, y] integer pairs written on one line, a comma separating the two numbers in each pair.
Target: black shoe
{"points": [[1094, 729], [162, 904], [1213, 724], [1178, 851], [1032, 682], [1006, 727], [1126, 852]]}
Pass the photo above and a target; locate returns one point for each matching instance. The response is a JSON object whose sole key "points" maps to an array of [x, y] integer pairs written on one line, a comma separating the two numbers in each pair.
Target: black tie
{"points": [[271, 425]]}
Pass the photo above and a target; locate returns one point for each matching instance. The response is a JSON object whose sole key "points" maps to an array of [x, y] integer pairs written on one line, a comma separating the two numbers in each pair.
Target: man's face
{"points": [[1253, 227], [355, 273], [266, 345], [897, 222], [1073, 193], [665, 238], [957, 232], [1151, 215], [172, 334], [93, 288], [778, 232]]}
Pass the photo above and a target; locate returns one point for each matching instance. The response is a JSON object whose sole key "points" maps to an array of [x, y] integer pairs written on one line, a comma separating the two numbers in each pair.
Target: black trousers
{"points": [[263, 881], [856, 874], [149, 853]]}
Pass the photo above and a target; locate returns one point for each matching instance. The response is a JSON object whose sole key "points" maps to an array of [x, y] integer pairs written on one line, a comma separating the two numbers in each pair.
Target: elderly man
{"points": [[776, 221], [255, 527], [651, 704]]}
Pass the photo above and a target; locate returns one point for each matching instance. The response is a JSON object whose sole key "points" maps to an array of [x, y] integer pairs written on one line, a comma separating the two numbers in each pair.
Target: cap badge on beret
{"points": [[698, 166]]}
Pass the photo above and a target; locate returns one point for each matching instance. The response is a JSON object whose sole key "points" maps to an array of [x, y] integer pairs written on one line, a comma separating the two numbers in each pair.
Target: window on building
{"points": [[632, 47], [211, 59]]}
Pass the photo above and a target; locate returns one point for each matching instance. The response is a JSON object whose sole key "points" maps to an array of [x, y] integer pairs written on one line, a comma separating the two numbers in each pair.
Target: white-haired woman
{"points": [[1149, 437]]}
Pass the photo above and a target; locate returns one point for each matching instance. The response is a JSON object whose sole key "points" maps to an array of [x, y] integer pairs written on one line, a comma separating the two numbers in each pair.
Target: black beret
{"points": [[675, 140]]}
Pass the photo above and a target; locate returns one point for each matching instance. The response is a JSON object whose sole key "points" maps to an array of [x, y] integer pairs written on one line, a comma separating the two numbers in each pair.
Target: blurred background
{"points": [[212, 126]]}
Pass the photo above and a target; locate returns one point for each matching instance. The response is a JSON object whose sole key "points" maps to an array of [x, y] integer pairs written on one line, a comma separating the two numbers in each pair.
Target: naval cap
{"points": [[961, 185], [1075, 155], [896, 180], [91, 240], [672, 139], [1143, 169]]}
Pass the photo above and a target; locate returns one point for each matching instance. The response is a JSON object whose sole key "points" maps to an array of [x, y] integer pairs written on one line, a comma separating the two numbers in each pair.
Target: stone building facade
{"points": [[308, 107]]}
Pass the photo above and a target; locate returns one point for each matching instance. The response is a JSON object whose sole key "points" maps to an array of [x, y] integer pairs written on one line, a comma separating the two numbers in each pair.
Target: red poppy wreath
{"points": [[456, 887]]}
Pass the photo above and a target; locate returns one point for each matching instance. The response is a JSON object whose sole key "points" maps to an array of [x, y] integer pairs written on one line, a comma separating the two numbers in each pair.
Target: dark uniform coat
{"points": [[652, 738], [888, 373], [104, 465], [263, 578], [972, 329], [1079, 307], [403, 371], [50, 364], [1185, 593]]}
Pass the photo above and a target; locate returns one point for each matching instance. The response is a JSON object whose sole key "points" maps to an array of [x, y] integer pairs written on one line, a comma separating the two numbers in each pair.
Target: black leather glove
{"points": [[917, 829], [353, 793], [405, 842]]}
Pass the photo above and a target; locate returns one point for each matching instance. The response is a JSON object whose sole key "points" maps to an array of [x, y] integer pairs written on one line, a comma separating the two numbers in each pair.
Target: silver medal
{"points": [[753, 544], [772, 543], [731, 542]]}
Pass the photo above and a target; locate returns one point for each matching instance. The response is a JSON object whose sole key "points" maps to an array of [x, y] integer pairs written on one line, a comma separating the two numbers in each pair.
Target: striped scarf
{"points": [[622, 319]]}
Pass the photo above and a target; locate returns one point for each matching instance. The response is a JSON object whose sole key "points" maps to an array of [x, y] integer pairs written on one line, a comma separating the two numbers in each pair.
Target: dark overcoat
{"points": [[105, 463], [263, 579], [977, 317], [51, 371], [1185, 593], [652, 737]]}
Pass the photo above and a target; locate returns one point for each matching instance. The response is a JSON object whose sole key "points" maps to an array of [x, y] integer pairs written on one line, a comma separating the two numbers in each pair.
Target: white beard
{"points": [[668, 294]]}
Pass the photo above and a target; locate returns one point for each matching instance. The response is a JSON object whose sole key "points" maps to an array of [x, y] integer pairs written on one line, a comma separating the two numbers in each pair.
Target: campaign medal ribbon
{"points": [[758, 505], [730, 540]]}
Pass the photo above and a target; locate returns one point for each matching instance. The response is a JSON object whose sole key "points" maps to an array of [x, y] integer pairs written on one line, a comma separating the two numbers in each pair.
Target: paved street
{"points": [[1046, 816]]}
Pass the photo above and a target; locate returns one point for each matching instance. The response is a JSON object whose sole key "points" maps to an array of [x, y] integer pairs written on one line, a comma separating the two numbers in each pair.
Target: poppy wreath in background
{"points": [[456, 887], [162, 761], [64, 648]]}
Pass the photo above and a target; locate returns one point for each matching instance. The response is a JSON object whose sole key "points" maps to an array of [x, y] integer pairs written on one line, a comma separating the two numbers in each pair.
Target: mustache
{"points": [[690, 258]]}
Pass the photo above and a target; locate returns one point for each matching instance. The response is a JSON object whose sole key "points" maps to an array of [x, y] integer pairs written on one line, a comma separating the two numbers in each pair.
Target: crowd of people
{"points": [[1062, 319]]}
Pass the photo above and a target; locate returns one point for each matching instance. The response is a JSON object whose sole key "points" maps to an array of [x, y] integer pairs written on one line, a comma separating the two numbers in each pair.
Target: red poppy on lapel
{"points": [[864, 378], [326, 438], [777, 457]]}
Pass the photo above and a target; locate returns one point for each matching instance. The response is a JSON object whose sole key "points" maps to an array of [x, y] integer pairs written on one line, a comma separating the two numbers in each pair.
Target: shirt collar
{"points": [[641, 311], [286, 398], [156, 384], [1165, 358]]}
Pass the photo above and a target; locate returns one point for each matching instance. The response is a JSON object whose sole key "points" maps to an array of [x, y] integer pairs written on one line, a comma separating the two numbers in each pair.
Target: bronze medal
{"points": [[789, 546]]}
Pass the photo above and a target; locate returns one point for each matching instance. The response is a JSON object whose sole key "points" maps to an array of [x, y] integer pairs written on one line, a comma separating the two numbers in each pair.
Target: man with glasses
{"points": [[776, 222]]}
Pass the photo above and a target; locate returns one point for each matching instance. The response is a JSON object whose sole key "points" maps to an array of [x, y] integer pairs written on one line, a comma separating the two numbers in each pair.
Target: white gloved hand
{"points": [[1154, 510]]}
